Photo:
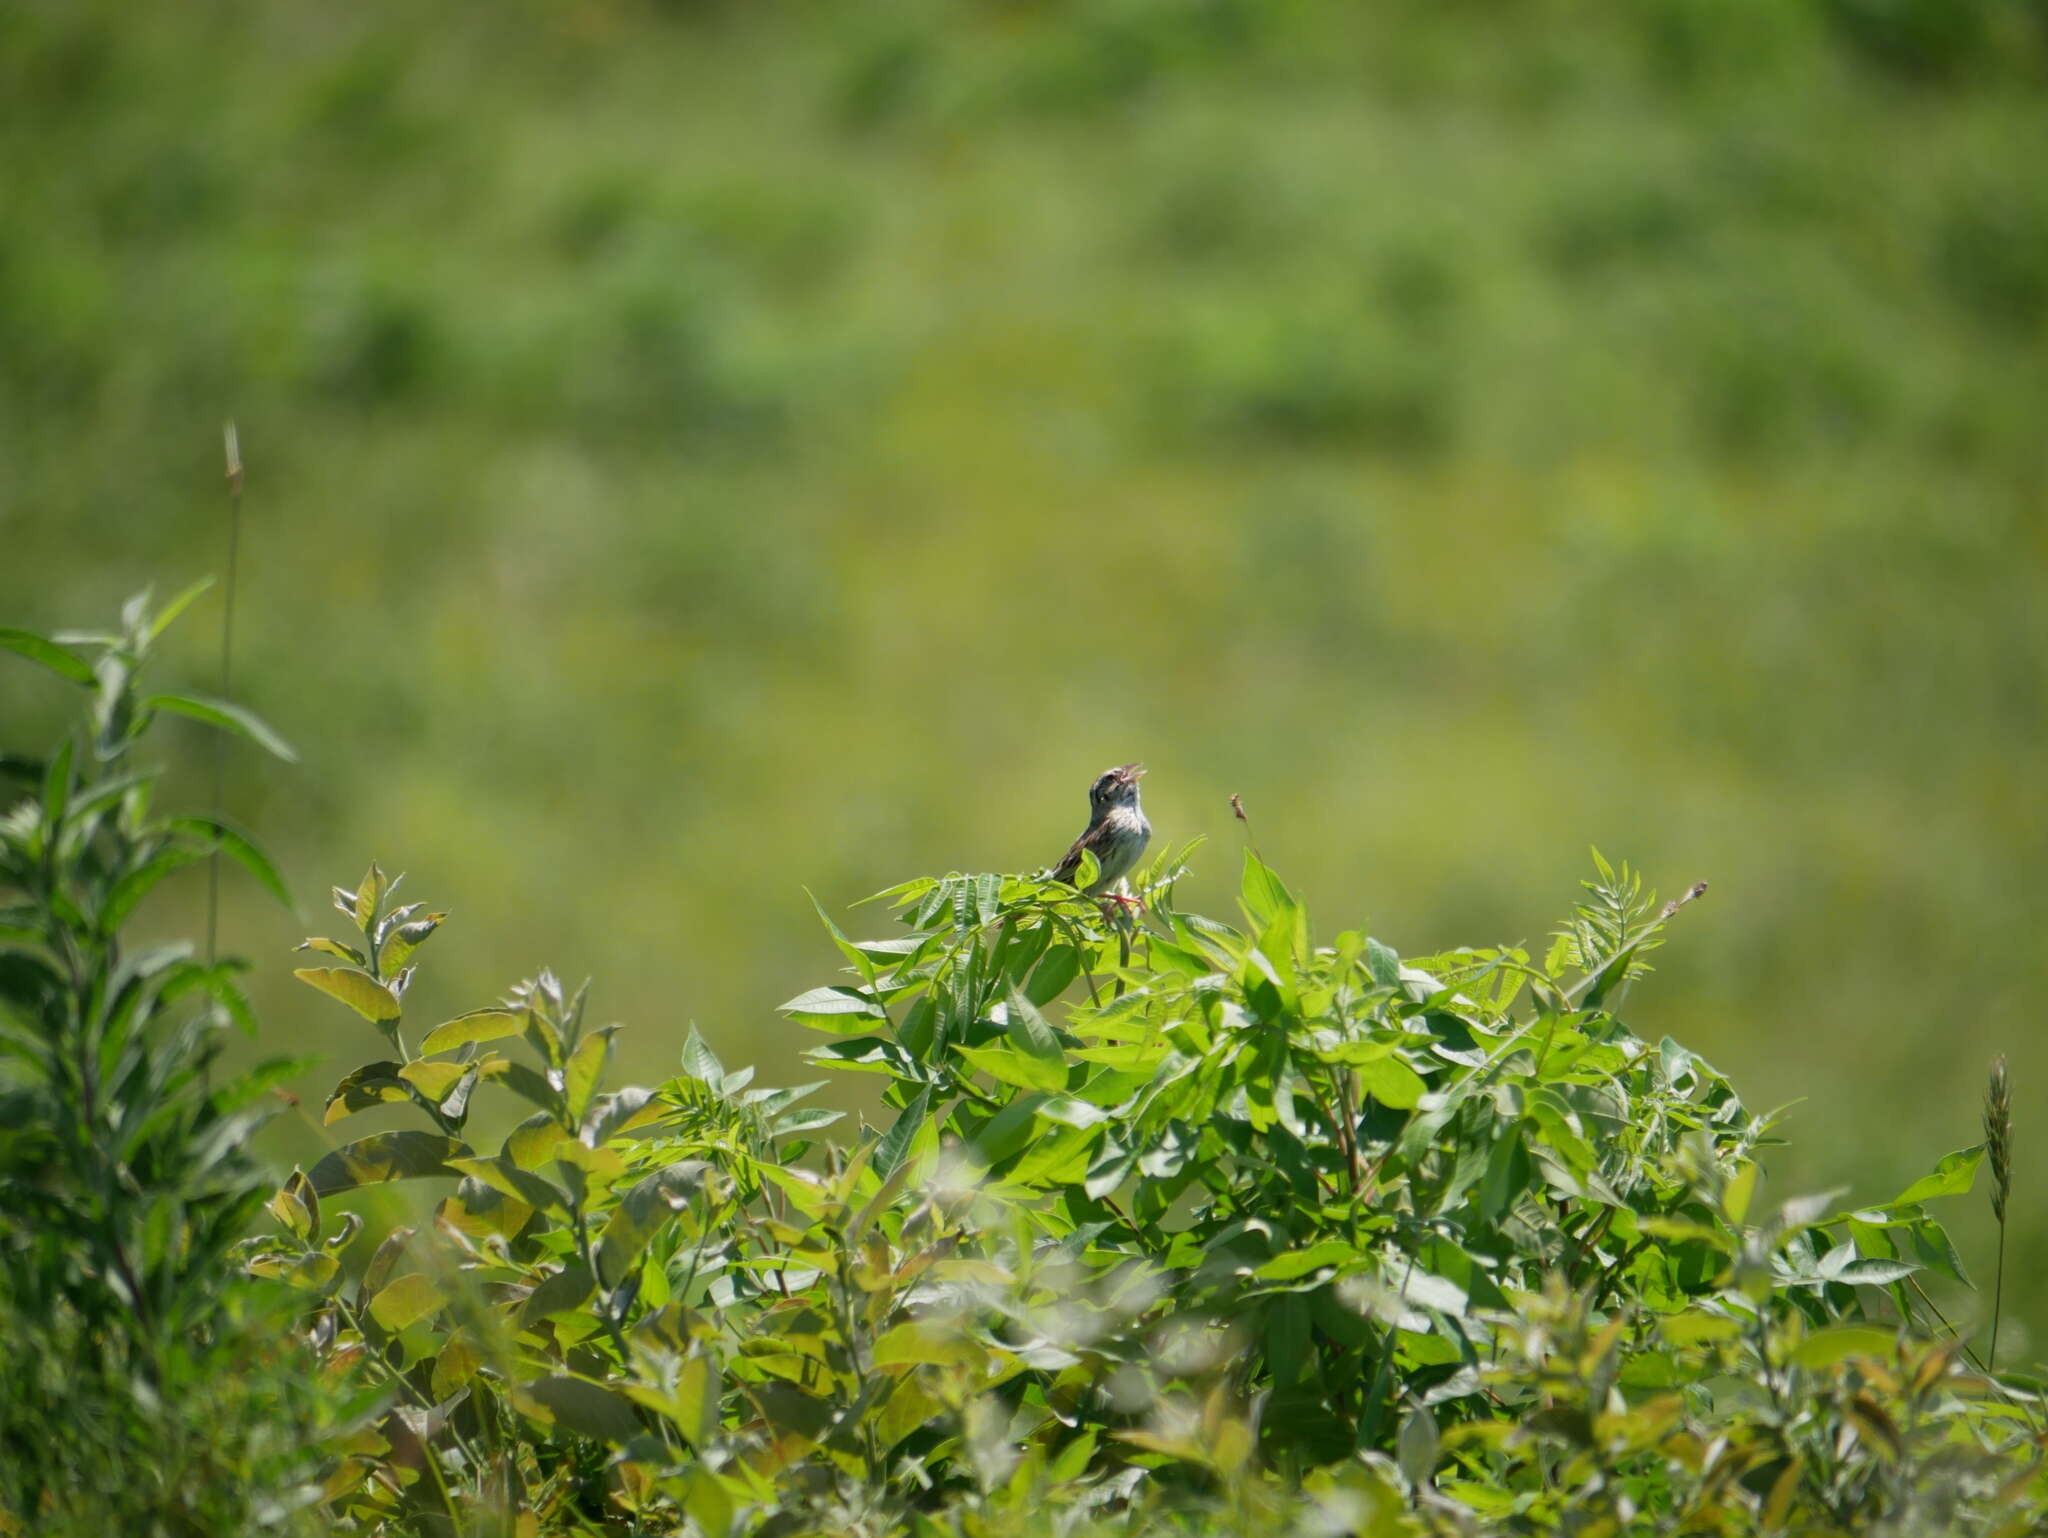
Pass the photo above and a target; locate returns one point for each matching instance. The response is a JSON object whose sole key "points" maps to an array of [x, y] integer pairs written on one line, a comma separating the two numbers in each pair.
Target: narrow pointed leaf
{"points": [[226, 715], [64, 664], [238, 848]]}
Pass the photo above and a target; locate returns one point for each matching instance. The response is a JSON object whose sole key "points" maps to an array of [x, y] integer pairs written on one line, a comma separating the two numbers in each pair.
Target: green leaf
{"points": [[1383, 962], [578, 1405], [697, 1396], [405, 1301], [1030, 1034], [125, 894], [168, 614], [532, 1143], [1265, 896], [64, 664], [297, 1207], [834, 1009], [385, 1156], [358, 990], [501, 1174], [1061, 965], [808, 1119], [373, 1084], [928, 1343], [1740, 1190], [368, 894], [1417, 1446], [1874, 1272], [700, 1062], [1008, 1130], [1953, 1176], [1016, 1069], [621, 1111], [647, 1205], [1824, 1348], [585, 1070], [406, 939], [57, 789], [559, 1293], [433, 1080], [333, 948], [853, 953], [1392, 1083], [1086, 869], [226, 715], [895, 1143], [1299, 1263], [477, 1025], [238, 848]]}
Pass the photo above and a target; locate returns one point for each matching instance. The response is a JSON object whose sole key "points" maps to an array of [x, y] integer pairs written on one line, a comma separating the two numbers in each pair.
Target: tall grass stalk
{"points": [[1998, 1144], [230, 441]]}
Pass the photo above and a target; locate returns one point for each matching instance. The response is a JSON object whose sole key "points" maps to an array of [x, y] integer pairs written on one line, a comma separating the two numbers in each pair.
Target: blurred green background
{"points": [[700, 451]]}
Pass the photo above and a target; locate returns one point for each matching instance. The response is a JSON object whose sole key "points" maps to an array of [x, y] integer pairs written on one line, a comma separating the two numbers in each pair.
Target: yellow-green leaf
{"points": [[1824, 1348], [358, 990], [585, 1068], [407, 938], [332, 948], [385, 1156], [928, 1343], [532, 1143], [477, 1025], [1007, 1066], [405, 1300], [433, 1080], [373, 1084]]}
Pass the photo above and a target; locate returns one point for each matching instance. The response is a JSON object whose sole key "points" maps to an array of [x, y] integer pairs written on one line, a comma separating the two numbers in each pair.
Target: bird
{"points": [[1116, 834]]}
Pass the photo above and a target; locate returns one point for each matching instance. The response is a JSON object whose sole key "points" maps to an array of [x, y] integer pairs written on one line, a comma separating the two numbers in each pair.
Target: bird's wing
{"points": [[1064, 871]]}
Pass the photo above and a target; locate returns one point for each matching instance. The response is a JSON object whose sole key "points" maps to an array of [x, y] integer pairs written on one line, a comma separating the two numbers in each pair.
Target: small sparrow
{"points": [[1116, 833]]}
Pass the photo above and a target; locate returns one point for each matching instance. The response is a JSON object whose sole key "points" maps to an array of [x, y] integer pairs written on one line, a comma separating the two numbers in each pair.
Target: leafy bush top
{"points": [[1172, 1221]]}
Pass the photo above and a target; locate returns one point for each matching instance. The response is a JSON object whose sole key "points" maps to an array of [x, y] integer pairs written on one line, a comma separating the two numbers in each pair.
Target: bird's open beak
{"points": [[1130, 774]]}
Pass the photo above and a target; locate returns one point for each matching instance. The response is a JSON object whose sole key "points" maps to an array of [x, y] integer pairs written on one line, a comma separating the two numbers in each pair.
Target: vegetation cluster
{"points": [[1174, 1225], [1645, 395]]}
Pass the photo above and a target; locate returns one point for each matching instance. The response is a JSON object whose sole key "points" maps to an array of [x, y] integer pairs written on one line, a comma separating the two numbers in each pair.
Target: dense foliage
{"points": [[145, 1390], [1174, 1224], [1256, 1223]]}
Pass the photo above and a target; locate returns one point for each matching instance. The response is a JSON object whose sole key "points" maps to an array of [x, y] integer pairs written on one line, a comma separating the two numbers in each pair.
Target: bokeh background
{"points": [[703, 451]]}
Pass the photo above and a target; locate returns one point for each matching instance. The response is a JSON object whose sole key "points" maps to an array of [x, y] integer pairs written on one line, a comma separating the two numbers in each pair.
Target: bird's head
{"points": [[1115, 787]]}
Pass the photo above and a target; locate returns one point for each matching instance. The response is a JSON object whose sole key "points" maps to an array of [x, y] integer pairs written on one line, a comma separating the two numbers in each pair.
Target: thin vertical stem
{"points": [[1997, 1302], [231, 441]]}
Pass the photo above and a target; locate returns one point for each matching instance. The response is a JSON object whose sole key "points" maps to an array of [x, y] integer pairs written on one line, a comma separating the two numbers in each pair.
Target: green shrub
{"points": [[150, 1388], [1252, 1232]]}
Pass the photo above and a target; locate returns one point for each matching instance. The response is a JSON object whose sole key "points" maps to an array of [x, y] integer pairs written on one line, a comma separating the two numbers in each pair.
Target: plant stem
{"points": [[232, 442], [1997, 1302]]}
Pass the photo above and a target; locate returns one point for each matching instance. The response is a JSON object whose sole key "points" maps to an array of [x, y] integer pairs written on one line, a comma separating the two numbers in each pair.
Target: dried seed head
{"points": [[1998, 1135]]}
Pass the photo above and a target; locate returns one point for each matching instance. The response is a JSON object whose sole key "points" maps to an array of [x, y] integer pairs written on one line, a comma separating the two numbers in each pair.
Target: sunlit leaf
{"points": [[477, 1025], [405, 1300], [385, 1156], [373, 1084], [358, 990]]}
